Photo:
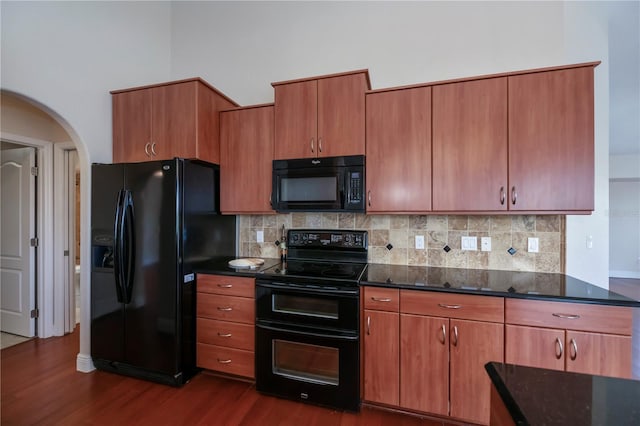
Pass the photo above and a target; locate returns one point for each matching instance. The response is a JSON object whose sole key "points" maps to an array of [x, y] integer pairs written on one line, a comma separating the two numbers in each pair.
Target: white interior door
{"points": [[17, 257]]}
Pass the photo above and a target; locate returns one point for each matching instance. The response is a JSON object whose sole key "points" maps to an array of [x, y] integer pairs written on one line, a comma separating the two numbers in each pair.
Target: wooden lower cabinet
{"points": [[381, 357], [225, 324], [442, 372], [577, 351]]}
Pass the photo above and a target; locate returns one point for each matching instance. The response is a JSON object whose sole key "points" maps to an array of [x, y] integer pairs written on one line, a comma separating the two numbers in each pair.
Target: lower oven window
{"points": [[301, 361], [305, 305]]}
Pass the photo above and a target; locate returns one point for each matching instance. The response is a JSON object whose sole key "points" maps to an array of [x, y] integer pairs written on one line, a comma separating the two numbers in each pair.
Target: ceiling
{"points": [[624, 78]]}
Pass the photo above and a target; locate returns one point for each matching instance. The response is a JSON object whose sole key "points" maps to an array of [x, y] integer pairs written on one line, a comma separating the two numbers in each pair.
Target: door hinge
{"points": [[35, 313], [66, 253], [34, 242], [34, 171]]}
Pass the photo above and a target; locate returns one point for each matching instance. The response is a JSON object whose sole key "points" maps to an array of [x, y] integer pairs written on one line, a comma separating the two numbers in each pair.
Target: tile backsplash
{"points": [[392, 238]]}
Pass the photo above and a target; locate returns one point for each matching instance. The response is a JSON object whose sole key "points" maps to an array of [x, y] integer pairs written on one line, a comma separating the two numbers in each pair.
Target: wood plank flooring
{"points": [[40, 385]]}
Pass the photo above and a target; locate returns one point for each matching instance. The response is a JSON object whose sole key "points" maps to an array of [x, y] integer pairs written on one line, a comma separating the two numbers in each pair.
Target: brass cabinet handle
{"points": [[514, 195], [381, 299], [565, 316], [369, 197], [446, 306], [153, 149], [225, 285], [319, 144], [455, 335], [312, 145], [444, 334], [559, 348], [368, 325], [146, 149], [573, 354], [224, 334], [502, 195], [224, 361], [227, 308]]}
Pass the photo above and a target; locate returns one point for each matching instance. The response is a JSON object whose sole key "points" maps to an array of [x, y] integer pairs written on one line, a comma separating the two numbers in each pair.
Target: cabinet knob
{"points": [[455, 335], [573, 354], [146, 149], [224, 361], [381, 299], [368, 325], [224, 334], [514, 195], [153, 149], [225, 285], [312, 148], [319, 144], [444, 334], [226, 309], [566, 316], [502, 195], [369, 197]]}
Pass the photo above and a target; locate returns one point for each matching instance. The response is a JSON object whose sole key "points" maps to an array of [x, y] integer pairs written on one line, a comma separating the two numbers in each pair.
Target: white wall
{"points": [[625, 166]]}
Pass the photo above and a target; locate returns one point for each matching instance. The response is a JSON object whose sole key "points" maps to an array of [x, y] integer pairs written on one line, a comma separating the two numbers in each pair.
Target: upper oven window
{"points": [[321, 188], [305, 305]]}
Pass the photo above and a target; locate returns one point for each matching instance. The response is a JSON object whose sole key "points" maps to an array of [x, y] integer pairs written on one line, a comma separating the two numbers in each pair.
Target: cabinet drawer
{"points": [[461, 306], [225, 333], [227, 308], [570, 316], [223, 284], [382, 299], [226, 360]]}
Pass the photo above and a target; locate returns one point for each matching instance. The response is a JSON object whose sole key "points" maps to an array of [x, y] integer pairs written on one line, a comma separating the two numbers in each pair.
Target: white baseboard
{"points": [[624, 274], [84, 363]]}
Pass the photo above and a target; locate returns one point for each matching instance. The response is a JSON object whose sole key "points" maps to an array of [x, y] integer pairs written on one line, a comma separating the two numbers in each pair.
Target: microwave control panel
{"points": [[355, 187]]}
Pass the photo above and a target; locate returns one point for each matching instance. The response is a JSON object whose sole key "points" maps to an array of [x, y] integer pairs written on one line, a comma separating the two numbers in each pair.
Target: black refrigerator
{"points": [[150, 222]]}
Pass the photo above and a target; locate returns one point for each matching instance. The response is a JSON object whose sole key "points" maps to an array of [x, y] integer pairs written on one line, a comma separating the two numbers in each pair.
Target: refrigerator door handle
{"points": [[117, 246], [130, 247]]}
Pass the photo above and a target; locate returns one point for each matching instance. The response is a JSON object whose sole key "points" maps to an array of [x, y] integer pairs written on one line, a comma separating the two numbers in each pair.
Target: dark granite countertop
{"points": [[537, 396], [526, 285], [220, 266]]}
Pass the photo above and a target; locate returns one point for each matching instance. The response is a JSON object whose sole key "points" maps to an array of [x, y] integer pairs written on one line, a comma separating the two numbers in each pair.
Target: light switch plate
{"points": [[260, 236], [469, 243], [532, 245], [420, 242], [485, 243]]}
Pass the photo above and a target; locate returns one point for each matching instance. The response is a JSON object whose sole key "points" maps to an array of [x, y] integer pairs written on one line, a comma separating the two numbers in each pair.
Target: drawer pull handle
{"points": [[225, 285], [574, 353], [566, 316], [444, 305], [368, 325], [226, 309], [455, 335], [559, 348], [381, 299], [224, 334], [444, 334], [224, 361]]}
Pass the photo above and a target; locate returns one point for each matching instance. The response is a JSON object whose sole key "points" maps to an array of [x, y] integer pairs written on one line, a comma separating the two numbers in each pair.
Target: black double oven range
{"points": [[307, 319]]}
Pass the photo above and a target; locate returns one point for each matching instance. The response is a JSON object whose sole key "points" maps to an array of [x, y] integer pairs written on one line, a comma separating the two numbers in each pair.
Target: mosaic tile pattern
{"points": [[399, 231]]}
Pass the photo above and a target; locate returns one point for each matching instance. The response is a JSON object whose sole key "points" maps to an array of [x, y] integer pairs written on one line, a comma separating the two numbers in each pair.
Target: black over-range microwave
{"points": [[319, 184]]}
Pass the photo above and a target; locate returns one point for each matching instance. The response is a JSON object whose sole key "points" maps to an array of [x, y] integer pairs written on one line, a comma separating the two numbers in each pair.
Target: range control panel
{"points": [[333, 239]]}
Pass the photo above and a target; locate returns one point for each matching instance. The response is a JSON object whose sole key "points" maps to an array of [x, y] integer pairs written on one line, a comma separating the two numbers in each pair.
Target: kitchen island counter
{"points": [[536, 396]]}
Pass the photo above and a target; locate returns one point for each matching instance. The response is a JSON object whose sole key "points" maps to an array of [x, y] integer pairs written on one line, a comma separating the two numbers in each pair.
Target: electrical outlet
{"points": [[420, 242], [469, 243], [485, 243], [259, 236], [532, 245], [589, 241]]}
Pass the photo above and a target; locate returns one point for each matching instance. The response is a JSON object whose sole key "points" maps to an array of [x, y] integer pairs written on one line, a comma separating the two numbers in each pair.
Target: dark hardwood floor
{"points": [[625, 286], [40, 385]]}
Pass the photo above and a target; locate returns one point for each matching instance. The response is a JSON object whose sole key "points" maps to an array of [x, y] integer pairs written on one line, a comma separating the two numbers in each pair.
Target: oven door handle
{"points": [[298, 288], [306, 333]]}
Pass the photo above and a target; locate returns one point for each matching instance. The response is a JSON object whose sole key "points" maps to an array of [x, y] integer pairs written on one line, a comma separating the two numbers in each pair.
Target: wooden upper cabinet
{"points": [[470, 145], [551, 140], [320, 117], [175, 119], [398, 124], [246, 151]]}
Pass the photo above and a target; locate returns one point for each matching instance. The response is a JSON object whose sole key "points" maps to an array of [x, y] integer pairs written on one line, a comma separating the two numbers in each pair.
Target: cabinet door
{"points": [[296, 125], [246, 151], [535, 347], [470, 145], [399, 150], [173, 121], [341, 115], [473, 344], [551, 148], [424, 364], [131, 125], [381, 357], [599, 354]]}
